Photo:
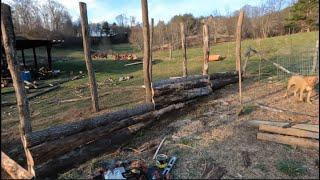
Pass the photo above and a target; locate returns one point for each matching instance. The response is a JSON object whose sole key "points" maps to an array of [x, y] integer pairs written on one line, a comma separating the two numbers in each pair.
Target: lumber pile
{"points": [[302, 135], [62, 147], [119, 57], [99, 55]]}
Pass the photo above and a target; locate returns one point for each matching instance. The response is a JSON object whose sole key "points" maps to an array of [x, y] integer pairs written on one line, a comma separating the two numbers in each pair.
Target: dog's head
{"points": [[312, 80]]}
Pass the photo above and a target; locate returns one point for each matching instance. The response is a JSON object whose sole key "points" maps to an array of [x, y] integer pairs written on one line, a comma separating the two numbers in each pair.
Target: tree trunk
{"points": [[9, 44], [87, 55], [146, 50], [151, 44], [63, 130], [238, 52], [184, 50], [206, 50]]}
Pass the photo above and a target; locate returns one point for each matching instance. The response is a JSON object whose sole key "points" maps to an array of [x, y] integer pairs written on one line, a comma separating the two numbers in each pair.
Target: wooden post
{"points": [[238, 52], [170, 51], [49, 57], [184, 50], [146, 50], [151, 44], [35, 58], [206, 50], [23, 58], [315, 58], [87, 55], [9, 43]]}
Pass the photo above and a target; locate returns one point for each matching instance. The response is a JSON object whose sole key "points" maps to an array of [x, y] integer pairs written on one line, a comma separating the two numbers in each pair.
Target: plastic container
{"points": [[26, 76]]}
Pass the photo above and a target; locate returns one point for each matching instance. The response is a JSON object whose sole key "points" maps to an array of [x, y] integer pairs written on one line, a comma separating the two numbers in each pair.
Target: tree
{"points": [[105, 28]]}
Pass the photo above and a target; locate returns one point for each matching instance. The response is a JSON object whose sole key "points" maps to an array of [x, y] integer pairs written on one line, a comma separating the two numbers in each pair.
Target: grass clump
{"points": [[291, 167]]}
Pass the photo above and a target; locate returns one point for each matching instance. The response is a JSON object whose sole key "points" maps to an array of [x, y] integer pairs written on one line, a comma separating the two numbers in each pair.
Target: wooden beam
{"points": [[289, 131], [9, 43], [289, 140], [13, 168], [35, 59], [206, 50], [87, 56], [151, 44], [238, 52], [184, 50], [146, 50]]}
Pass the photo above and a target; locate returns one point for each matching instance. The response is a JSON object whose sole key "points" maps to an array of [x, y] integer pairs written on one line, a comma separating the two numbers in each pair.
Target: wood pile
{"points": [[99, 55], [302, 135], [124, 57]]}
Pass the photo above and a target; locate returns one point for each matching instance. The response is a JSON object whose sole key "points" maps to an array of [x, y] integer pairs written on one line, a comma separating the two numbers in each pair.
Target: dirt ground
{"points": [[211, 133]]}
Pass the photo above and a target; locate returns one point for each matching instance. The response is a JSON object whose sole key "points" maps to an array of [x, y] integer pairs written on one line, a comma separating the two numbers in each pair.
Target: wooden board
{"points": [[288, 131]]}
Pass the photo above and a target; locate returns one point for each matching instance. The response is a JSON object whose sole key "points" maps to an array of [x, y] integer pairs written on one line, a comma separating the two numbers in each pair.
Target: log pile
{"points": [[302, 135], [122, 57], [99, 55]]}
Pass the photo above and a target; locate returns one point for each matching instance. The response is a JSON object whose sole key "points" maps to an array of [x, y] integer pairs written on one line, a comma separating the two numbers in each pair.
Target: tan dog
{"points": [[302, 83]]}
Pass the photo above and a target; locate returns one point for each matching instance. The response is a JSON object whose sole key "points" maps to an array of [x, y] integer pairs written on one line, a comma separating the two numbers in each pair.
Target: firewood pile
{"points": [[99, 55], [126, 56]]}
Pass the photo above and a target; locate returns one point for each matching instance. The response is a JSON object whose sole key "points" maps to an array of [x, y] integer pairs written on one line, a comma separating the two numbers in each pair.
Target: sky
{"points": [[101, 10], [107, 10]]}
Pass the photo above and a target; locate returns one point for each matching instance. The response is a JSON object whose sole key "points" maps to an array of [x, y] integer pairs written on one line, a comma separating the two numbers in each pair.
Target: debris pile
{"points": [[121, 57]]}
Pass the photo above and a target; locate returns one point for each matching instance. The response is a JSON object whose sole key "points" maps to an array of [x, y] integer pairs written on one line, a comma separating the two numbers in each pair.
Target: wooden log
{"points": [[9, 44], [288, 131], [178, 80], [172, 88], [218, 84], [221, 75], [238, 52], [184, 51], [206, 50], [59, 131], [146, 51], [181, 96], [13, 168], [87, 55], [307, 127], [104, 145], [289, 140]]}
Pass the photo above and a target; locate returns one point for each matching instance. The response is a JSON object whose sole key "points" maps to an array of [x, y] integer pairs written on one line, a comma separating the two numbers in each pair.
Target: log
{"points": [[181, 96], [288, 131], [218, 84], [307, 127], [135, 63], [171, 88], [63, 130], [87, 56], [289, 140], [13, 168], [93, 149], [178, 80], [221, 75]]}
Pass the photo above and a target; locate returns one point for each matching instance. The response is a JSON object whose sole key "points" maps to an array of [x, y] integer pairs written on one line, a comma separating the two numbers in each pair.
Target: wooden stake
{"points": [[151, 44], [238, 52], [184, 50], [87, 55], [146, 50], [9, 43], [206, 50], [315, 58]]}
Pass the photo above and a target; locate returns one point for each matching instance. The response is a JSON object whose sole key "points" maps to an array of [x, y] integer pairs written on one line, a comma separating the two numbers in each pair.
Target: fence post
{"points": [[206, 50], [315, 58], [87, 55], [151, 44], [9, 44], [146, 50], [184, 50], [238, 51]]}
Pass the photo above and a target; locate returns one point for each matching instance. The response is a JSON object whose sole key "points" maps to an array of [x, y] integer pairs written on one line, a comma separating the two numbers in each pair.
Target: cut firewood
{"points": [[289, 140], [289, 131], [307, 127]]}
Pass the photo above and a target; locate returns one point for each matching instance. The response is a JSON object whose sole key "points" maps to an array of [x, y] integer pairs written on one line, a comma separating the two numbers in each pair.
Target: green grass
{"points": [[291, 167]]}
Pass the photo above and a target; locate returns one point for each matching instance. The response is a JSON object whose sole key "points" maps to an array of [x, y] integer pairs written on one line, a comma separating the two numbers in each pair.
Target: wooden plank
{"points": [[146, 50], [87, 55], [9, 43], [206, 50], [289, 140], [289, 131], [13, 168], [307, 127], [63, 130], [184, 50], [238, 52]]}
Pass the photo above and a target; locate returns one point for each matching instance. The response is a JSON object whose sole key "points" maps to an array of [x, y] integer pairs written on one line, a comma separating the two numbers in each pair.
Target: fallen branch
{"points": [[135, 63], [155, 154]]}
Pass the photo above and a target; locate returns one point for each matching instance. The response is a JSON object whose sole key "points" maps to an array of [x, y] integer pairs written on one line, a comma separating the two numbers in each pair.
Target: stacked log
{"points": [[99, 55], [119, 57]]}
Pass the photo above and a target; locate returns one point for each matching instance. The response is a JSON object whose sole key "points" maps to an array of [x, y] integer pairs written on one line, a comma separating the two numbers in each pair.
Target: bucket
{"points": [[26, 76]]}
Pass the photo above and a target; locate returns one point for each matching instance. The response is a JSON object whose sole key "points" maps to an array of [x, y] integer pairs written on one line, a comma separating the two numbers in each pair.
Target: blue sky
{"points": [[99, 10]]}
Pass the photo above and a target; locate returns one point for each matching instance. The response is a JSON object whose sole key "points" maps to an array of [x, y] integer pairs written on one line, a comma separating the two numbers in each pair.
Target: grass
{"points": [[291, 167], [46, 111]]}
